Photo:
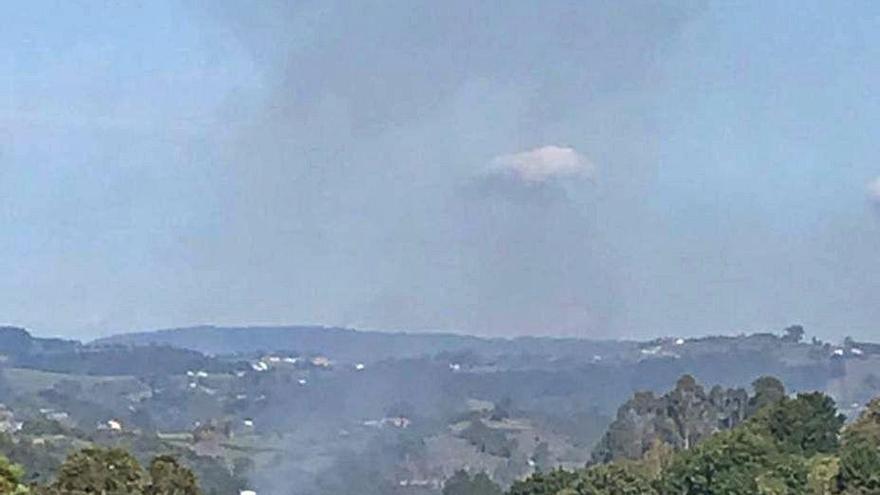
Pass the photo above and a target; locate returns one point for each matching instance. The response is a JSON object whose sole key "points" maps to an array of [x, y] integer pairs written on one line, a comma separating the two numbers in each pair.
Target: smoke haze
{"points": [[590, 169]]}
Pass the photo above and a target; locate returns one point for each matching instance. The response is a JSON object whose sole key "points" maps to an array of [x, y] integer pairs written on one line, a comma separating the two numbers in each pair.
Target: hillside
{"points": [[327, 410], [358, 345], [18, 348]]}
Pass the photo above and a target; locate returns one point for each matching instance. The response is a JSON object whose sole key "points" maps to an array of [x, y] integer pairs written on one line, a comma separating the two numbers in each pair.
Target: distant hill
{"points": [[356, 345], [17, 342], [18, 348]]}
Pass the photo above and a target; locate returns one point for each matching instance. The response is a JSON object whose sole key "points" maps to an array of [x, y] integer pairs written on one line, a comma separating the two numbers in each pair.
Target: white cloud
{"points": [[874, 190], [544, 163]]}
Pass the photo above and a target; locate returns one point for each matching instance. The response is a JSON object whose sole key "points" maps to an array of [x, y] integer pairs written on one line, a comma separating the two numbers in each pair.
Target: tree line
{"points": [[105, 471]]}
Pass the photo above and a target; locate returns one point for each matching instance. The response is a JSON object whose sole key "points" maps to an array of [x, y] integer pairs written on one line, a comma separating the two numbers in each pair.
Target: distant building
{"points": [[321, 361], [397, 422], [111, 424]]}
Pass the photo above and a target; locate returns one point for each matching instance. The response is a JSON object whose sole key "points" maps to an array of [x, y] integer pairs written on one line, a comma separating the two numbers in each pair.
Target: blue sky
{"points": [[546, 168]]}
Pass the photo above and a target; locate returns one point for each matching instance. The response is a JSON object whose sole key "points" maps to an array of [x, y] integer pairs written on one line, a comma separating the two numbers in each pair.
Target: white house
{"points": [[321, 361]]}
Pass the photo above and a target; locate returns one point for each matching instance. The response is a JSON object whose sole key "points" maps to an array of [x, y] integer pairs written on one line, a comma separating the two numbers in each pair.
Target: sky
{"points": [[596, 169]]}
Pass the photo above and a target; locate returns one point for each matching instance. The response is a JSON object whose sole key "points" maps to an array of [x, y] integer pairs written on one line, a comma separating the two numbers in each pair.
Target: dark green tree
{"points": [[545, 483], [735, 462], [101, 472], [681, 419], [168, 477], [859, 468], [806, 425], [687, 406], [859, 472], [768, 390], [619, 478]]}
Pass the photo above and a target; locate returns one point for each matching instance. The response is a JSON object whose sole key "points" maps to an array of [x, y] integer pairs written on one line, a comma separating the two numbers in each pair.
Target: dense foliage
{"points": [[787, 446], [680, 418], [860, 454], [105, 472], [11, 478]]}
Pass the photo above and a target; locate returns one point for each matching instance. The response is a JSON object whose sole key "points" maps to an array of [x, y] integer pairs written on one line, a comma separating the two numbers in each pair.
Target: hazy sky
{"points": [[556, 168]]}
